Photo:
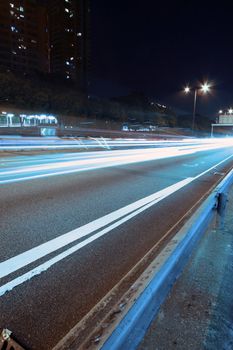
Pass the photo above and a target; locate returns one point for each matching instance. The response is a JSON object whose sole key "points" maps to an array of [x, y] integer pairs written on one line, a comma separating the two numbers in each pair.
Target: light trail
{"points": [[37, 143], [78, 143], [96, 160]]}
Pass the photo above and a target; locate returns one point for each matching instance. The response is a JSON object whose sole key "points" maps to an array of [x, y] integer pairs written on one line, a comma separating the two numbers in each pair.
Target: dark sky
{"points": [[156, 47]]}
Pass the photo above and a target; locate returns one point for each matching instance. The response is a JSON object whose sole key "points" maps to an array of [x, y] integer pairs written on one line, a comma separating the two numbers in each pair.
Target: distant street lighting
{"points": [[230, 111], [220, 112], [204, 88]]}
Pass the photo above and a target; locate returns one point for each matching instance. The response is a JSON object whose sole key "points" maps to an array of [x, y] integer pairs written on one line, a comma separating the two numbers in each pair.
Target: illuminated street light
{"points": [[204, 89], [230, 111], [220, 112]]}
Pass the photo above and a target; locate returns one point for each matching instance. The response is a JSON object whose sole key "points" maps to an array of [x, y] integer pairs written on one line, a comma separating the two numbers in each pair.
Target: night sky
{"points": [[156, 47]]}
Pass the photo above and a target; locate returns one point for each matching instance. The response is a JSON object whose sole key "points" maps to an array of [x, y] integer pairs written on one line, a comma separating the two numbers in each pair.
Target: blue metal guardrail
{"points": [[132, 328]]}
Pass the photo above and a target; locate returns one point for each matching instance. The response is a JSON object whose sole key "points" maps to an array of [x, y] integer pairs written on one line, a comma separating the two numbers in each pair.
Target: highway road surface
{"points": [[72, 225]]}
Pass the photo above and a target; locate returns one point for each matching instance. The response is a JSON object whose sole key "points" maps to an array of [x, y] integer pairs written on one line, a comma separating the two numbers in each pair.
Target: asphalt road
{"points": [[67, 239]]}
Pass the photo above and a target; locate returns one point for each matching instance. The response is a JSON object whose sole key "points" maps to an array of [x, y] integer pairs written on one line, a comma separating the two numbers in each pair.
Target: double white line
{"points": [[105, 224]]}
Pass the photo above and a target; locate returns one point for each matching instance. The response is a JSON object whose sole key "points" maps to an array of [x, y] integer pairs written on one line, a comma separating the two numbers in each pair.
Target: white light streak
{"points": [[104, 159]]}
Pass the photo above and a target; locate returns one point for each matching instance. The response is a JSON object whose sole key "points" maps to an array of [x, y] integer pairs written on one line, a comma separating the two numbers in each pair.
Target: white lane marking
{"points": [[45, 266], [23, 259], [213, 167]]}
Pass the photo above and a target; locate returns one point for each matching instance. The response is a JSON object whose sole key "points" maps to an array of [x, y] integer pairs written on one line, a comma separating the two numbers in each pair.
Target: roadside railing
{"points": [[163, 272]]}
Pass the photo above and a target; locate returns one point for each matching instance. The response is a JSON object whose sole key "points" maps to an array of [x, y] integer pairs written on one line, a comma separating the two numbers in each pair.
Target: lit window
{"points": [[67, 63], [11, 5], [13, 29], [67, 10], [14, 53], [21, 9], [71, 58], [67, 77], [12, 13], [79, 34]]}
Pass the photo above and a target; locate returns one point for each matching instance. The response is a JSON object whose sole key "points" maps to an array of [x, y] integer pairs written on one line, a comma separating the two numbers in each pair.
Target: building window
{"points": [[14, 29]]}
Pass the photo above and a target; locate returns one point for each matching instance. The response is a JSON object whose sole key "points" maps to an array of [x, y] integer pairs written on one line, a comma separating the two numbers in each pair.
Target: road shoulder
{"points": [[197, 313]]}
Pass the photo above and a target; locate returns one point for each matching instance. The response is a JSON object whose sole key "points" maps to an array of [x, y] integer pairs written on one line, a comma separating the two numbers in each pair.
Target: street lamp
{"points": [[204, 88]]}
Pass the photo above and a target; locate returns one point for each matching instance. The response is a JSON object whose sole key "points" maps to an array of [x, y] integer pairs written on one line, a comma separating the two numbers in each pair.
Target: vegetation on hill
{"points": [[42, 95]]}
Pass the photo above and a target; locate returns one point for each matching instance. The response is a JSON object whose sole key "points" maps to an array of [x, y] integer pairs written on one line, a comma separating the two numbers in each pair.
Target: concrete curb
{"points": [[132, 328]]}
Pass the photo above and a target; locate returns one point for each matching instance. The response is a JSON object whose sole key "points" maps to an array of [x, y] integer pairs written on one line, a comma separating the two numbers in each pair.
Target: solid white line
{"points": [[23, 259], [213, 167]]}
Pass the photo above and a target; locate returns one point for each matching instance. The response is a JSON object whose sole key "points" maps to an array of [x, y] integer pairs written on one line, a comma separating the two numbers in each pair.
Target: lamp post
{"points": [[204, 88]]}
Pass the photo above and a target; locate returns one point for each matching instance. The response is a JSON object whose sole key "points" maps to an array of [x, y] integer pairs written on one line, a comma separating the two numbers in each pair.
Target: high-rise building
{"points": [[23, 36], [50, 36], [68, 38]]}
